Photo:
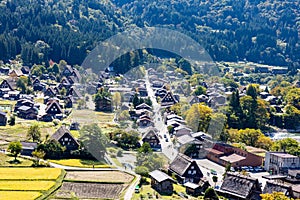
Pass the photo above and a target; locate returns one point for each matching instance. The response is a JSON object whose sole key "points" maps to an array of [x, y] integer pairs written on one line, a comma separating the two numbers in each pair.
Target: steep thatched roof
{"points": [[240, 186]]}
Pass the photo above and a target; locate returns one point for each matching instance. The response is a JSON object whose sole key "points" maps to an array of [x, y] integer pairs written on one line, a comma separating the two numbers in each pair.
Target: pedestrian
{"points": [[93, 166]]}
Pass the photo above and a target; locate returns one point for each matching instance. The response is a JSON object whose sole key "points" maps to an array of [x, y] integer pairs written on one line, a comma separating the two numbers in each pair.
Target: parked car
{"points": [[245, 168], [213, 172]]}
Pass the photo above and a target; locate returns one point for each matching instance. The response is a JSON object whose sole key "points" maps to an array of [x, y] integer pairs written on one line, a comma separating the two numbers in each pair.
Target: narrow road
{"points": [[165, 140]]}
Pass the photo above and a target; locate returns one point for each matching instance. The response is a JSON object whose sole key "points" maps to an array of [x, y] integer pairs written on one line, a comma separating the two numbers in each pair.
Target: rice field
{"points": [[9, 195], [26, 185], [29, 173]]}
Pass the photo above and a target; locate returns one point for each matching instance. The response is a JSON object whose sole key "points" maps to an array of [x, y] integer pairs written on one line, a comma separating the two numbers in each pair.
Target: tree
{"points": [[94, 140], [101, 94], [52, 148], [125, 139], [200, 90], [21, 85], [12, 120], [38, 154], [293, 97], [287, 145], [15, 148], [135, 100], [249, 136], [274, 196], [145, 148], [34, 133], [198, 117], [142, 170], [252, 91], [117, 99], [210, 194]]}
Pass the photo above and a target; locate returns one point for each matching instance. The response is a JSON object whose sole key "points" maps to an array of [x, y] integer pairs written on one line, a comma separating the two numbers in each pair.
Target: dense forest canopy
{"points": [[259, 31]]}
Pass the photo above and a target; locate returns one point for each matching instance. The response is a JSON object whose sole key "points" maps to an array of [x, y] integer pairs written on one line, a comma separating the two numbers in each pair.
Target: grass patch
{"points": [[19, 130], [29, 173], [117, 162], [26, 185], [5, 161], [81, 163], [9, 195], [89, 116]]}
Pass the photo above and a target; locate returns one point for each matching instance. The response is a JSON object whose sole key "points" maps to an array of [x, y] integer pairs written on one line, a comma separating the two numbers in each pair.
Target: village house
{"points": [[190, 146], [65, 138], [27, 112], [185, 169], [143, 106], [196, 189], [25, 69], [67, 71], [105, 104], [53, 108], [144, 121], [8, 84], [3, 118], [182, 130], [152, 138], [160, 92], [240, 187], [168, 100], [74, 93], [28, 148], [50, 92], [161, 182], [293, 176], [15, 74], [224, 154], [280, 162], [272, 186]]}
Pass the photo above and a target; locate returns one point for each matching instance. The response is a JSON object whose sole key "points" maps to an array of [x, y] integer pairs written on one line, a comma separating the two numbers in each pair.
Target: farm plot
{"points": [[101, 176], [90, 190], [28, 183], [8, 195], [29, 173]]}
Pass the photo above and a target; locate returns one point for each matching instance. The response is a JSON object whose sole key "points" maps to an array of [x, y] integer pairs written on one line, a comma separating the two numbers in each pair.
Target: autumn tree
{"points": [[116, 99], [274, 196], [198, 117], [38, 154]]}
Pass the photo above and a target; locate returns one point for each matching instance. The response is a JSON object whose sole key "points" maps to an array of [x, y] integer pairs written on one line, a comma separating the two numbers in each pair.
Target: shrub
{"points": [[142, 170]]}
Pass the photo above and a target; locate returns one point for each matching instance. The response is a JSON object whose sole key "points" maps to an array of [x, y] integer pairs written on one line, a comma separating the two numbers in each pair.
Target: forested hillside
{"points": [[259, 31]]}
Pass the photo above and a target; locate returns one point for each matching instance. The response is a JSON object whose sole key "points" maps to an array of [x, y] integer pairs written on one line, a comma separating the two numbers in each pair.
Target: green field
{"points": [[7, 161], [19, 131]]}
